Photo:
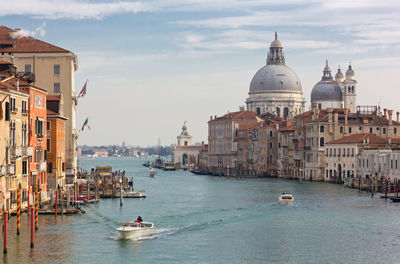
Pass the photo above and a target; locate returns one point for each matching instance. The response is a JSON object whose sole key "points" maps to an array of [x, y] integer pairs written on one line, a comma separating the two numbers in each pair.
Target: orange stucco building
{"points": [[37, 137], [55, 142]]}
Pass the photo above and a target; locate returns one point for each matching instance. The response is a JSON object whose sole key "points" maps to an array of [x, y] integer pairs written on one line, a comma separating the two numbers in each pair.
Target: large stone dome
{"points": [[275, 78]]}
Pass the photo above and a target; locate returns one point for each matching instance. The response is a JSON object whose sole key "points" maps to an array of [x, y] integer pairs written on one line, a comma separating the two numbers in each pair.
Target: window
{"points": [[285, 113], [24, 167], [321, 129], [38, 101], [330, 152], [7, 116], [319, 106], [12, 105], [57, 88], [38, 127], [352, 152], [326, 152], [28, 68], [278, 112], [56, 69], [349, 130], [341, 129], [49, 167], [370, 130], [48, 145], [24, 135], [24, 108], [339, 152], [384, 130], [12, 134], [258, 111], [270, 134], [321, 142], [395, 131], [270, 144], [63, 166], [48, 126]]}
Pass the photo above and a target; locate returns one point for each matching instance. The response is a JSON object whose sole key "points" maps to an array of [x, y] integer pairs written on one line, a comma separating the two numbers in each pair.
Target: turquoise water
{"points": [[204, 219]]}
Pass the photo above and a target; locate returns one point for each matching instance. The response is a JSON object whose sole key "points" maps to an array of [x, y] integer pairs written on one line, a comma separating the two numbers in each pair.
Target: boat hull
{"points": [[132, 233]]}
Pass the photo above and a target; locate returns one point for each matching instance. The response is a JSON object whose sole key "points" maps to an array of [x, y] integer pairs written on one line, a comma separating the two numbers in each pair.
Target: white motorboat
{"points": [[286, 198], [131, 230], [151, 171], [134, 194]]}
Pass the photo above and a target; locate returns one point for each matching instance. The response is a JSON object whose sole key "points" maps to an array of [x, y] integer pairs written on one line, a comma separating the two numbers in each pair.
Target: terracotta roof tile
{"points": [[359, 138], [25, 44]]}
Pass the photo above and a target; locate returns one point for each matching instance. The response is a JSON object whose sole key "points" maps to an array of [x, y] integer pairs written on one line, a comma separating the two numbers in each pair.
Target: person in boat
{"points": [[139, 220]]}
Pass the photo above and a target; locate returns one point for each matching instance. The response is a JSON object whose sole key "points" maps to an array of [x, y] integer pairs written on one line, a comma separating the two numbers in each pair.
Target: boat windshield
{"points": [[287, 197]]}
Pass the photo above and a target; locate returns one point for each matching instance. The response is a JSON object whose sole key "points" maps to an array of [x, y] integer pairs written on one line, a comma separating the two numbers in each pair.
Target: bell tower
{"points": [[184, 139], [349, 90]]}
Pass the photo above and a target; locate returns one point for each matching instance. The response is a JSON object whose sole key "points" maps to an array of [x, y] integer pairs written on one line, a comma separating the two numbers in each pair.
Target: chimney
{"points": [[210, 117], [384, 113], [202, 145], [379, 111], [17, 84], [390, 113], [330, 115], [397, 119], [345, 116]]}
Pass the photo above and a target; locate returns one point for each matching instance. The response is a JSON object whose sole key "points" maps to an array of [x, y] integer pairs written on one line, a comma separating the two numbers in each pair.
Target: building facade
{"points": [[185, 155], [54, 69]]}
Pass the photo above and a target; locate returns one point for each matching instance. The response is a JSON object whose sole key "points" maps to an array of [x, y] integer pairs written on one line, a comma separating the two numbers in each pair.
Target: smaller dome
{"points": [[339, 76], [350, 74], [326, 91], [276, 43]]}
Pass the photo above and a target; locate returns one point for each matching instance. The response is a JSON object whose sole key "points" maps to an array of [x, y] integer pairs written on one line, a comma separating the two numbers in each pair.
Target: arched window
{"points": [[321, 141], [349, 88], [278, 112], [258, 111], [184, 159], [285, 113]]}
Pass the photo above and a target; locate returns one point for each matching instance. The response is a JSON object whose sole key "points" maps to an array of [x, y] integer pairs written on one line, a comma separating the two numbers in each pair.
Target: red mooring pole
{"points": [[36, 207], [5, 216], [19, 209], [32, 226], [56, 203]]}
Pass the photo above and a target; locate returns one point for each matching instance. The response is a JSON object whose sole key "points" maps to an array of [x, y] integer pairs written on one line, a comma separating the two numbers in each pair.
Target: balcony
{"points": [[25, 112], [14, 110], [27, 151], [16, 152], [10, 168]]}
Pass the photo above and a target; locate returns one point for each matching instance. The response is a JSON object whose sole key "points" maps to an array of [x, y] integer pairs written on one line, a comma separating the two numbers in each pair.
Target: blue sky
{"points": [[153, 64]]}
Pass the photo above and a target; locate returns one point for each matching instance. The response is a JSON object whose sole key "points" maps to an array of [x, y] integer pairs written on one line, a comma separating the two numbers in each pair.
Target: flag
{"points": [[86, 124], [83, 91]]}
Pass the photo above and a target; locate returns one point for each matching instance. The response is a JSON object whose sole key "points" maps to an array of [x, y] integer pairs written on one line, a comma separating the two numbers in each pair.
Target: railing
{"points": [[16, 151], [24, 111]]}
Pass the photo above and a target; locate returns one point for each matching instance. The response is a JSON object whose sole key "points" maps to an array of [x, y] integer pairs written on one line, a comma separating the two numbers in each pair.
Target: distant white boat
{"points": [[286, 198], [130, 230], [151, 171]]}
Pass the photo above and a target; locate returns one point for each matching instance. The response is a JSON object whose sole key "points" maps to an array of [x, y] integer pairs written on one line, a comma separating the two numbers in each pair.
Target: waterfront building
{"points": [[53, 69], [55, 142], [338, 93], [37, 139], [341, 155], [14, 129], [275, 88], [246, 139], [321, 126], [222, 150], [378, 163], [184, 154]]}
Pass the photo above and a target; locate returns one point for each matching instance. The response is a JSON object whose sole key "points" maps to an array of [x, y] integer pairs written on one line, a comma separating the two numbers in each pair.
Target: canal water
{"points": [[203, 219]]}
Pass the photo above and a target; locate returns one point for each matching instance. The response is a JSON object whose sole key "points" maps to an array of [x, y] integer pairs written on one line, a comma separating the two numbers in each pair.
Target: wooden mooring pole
{"points": [[55, 205], [18, 209], [5, 226], [36, 207], [32, 226]]}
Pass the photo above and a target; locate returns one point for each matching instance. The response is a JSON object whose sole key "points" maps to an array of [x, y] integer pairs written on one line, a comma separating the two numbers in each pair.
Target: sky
{"points": [[154, 64]]}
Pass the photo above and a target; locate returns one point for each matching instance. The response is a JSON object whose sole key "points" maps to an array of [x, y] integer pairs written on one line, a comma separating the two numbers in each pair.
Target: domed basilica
{"points": [[275, 88], [338, 93]]}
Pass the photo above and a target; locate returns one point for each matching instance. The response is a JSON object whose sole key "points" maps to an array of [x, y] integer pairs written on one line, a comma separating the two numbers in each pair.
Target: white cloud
{"points": [[69, 9], [39, 31]]}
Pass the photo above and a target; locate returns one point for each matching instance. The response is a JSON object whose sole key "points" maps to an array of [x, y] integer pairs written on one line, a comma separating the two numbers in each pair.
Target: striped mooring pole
{"points": [[36, 207], [19, 209]]}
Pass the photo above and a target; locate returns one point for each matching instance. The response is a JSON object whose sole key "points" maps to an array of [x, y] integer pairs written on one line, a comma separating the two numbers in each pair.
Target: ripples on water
{"points": [[203, 219]]}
